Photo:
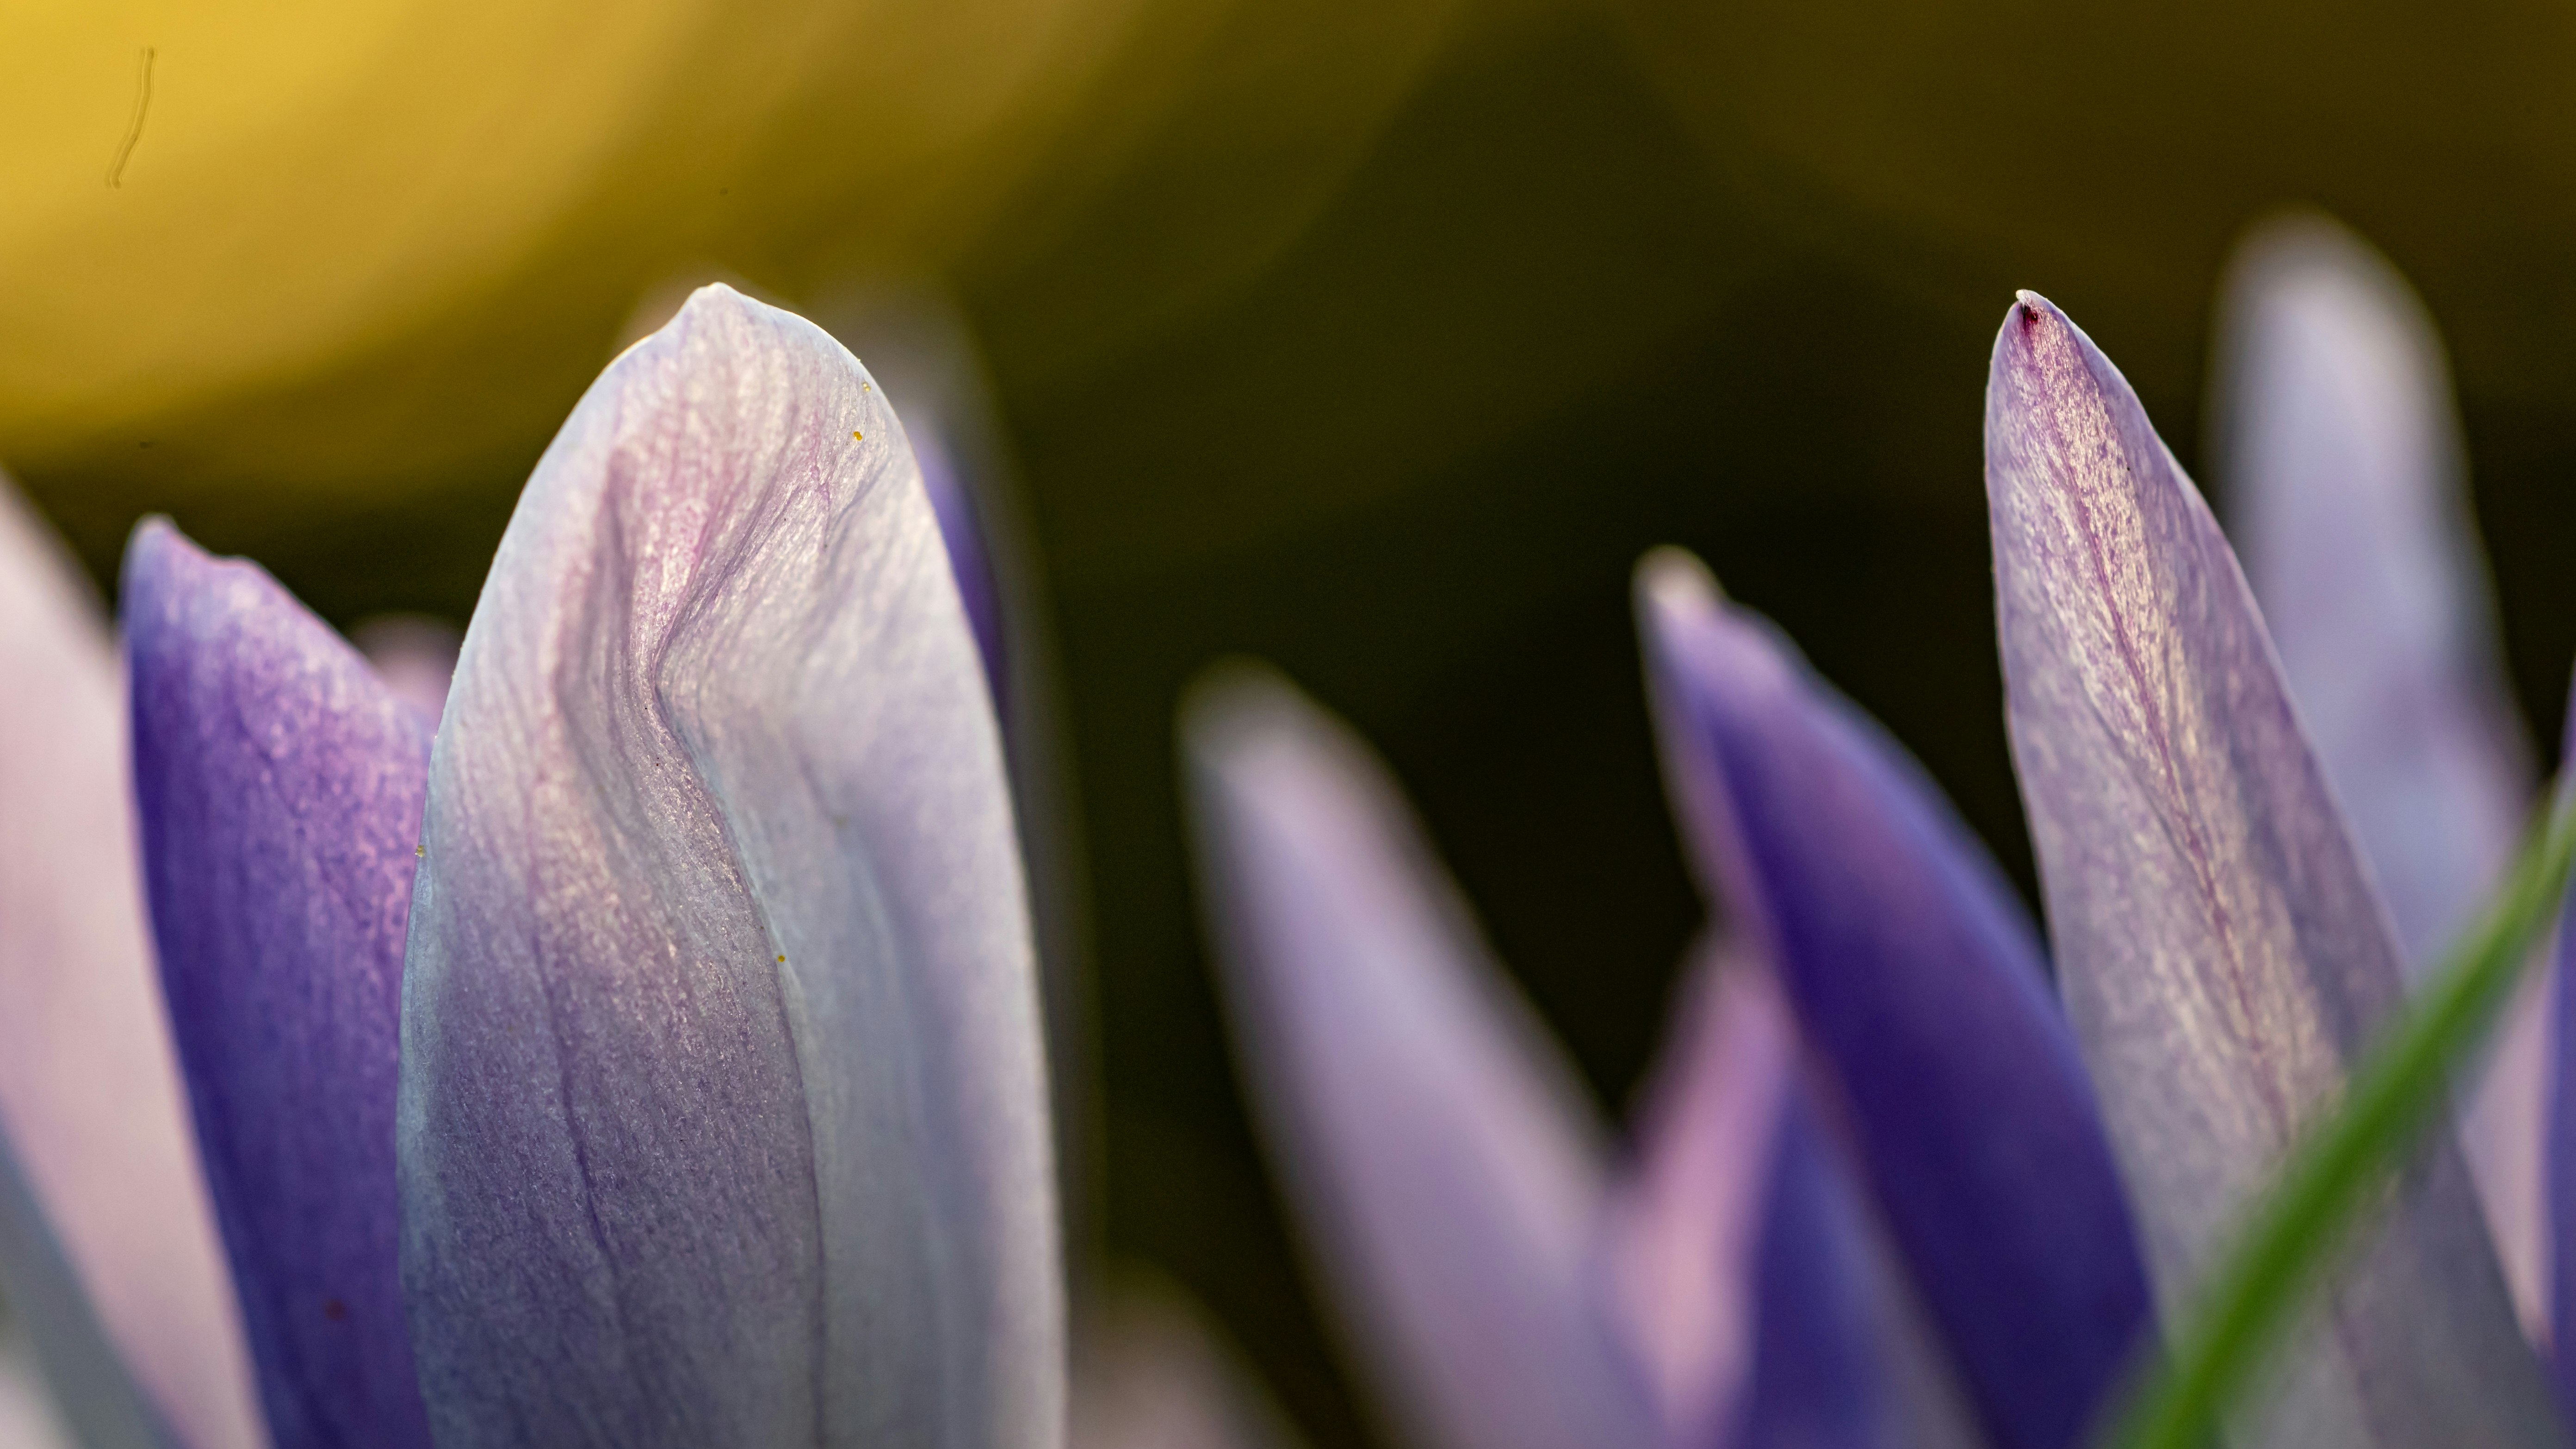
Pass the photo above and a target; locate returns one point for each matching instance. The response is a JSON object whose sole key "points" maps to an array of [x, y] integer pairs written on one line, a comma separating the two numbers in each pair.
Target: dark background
{"points": [[1600, 278]]}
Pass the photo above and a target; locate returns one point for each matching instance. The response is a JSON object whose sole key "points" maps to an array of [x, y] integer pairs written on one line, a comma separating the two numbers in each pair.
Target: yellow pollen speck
{"points": [[421, 850], [782, 960], [860, 436]]}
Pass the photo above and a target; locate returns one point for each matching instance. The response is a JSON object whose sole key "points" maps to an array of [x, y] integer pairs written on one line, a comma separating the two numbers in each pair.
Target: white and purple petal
{"points": [[1921, 995], [722, 1115], [2349, 503], [1447, 1166], [279, 786], [107, 1243], [2223, 955]]}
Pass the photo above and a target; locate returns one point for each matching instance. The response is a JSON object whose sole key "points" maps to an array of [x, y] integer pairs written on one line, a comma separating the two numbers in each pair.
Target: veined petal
{"points": [[722, 1117], [279, 785], [2349, 491], [2223, 955], [1446, 1163], [107, 1234], [1919, 989]]}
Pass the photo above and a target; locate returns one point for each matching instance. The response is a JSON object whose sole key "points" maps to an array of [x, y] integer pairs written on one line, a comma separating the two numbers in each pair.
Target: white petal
{"points": [[89, 1085], [723, 1116]]}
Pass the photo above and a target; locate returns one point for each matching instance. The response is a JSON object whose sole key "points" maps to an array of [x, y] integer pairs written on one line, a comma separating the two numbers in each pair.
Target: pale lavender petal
{"points": [[28, 1418], [2350, 504], [1148, 1374], [279, 785], [414, 655], [722, 1117], [921, 350], [2223, 955], [89, 1087], [1446, 1165], [2559, 1124], [1738, 1254], [1683, 1231], [1819, 1377], [1920, 993]]}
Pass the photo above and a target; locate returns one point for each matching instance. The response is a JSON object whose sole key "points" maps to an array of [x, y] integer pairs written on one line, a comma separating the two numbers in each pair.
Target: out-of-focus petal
{"points": [[722, 1117], [2348, 492], [1684, 1229], [114, 1216], [414, 655], [1739, 1256], [1147, 1374], [2349, 497], [28, 1418], [2558, 1125], [2223, 955], [279, 788], [1446, 1163], [1920, 991]]}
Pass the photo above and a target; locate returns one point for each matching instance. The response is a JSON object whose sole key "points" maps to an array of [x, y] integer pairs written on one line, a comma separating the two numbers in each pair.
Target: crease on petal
{"points": [[2348, 487], [722, 1115], [1920, 996], [116, 1211], [1447, 1167], [279, 787], [2223, 955]]}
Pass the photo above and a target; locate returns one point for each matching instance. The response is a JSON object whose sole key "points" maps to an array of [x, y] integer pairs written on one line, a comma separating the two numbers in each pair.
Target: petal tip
{"points": [[1233, 707], [1672, 583]]}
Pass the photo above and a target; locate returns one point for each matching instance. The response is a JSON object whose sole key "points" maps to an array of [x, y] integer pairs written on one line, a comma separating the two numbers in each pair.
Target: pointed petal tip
{"points": [[155, 545]]}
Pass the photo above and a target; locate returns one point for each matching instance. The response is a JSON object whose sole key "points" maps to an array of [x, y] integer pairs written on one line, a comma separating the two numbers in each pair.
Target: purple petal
{"points": [[968, 562], [1683, 1232], [279, 785], [722, 1117], [2223, 955], [104, 1224], [1445, 1162], [1919, 990], [1739, 1257], [2351, 504], [1819, 1375]]}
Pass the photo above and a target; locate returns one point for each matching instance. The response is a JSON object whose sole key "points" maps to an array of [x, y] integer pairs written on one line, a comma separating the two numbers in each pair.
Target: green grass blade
{"points": [[2293, 1234]]}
